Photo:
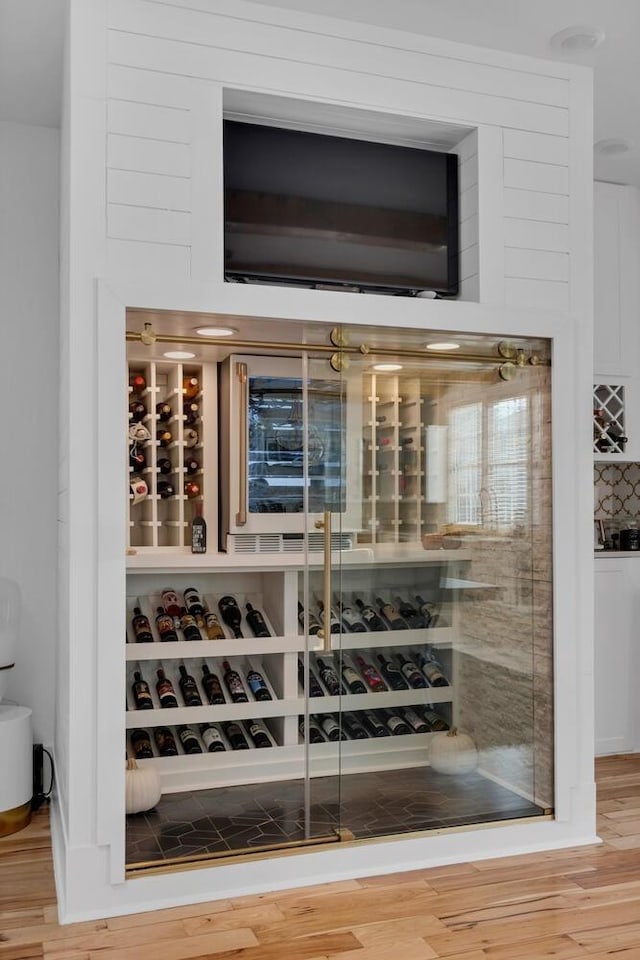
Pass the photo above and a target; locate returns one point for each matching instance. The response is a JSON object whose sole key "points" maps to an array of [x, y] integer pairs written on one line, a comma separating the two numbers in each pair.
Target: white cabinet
{"points": [[616, 301], [617, 603]]}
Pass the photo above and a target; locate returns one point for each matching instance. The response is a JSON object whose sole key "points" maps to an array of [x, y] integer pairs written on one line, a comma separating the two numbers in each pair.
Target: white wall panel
{"points": [[522, 145], [146, 120], [137, 261], [468, 202], [540, 294], [531, 175], [536, 235], [144, 223], [536, 264], [152, 156], [141, 86], [148, 190], [534, 205], [468, 232]]}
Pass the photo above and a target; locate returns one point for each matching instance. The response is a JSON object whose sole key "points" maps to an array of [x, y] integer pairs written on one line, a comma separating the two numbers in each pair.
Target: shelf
{"points": [[210, 649]]}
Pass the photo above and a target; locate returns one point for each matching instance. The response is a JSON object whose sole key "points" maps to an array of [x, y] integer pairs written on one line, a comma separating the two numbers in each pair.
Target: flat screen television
{"points": [[317, 210]]}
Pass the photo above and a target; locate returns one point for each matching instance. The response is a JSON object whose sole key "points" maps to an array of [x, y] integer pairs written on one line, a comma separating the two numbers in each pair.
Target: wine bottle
{"points": [[230, 613], [212, 626], [258, 733], [212, 738], [435, 721], [370, 616], [171, 603], [191, 411], [391, 615], [417, 724], [165, 742], [353, 728], [330, 678], [372, 678], [164, 465], [137, 458], [432, 670], [313, 733], [189, 626], [235, 736], [408, 612], [141, 692], [395, 724], [351, 678], [189, 688], [165, 489], [334, 623], [212, 686], [191, 465], [350, 618], [193, 603], [234, 684], [140, 744], [374, 725], [166, 693], [257, 685], [190, 437], [198, 530], [392, 674], [164, 625], [330, 727], [137, 382], [192, 489], [165, 437], [189, 740], [314, 624], [137, 411], [190, 387], [257, 622], [141, 627], [426, 608], [411, 673], [163, 411], [315, 690]]}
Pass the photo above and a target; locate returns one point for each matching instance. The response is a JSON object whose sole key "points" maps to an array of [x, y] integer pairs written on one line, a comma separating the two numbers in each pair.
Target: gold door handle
{"points": [[325, 524], [243, 453]]}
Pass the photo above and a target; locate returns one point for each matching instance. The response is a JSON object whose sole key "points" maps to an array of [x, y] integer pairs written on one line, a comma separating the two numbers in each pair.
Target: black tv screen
{"points": [[312, 209]]}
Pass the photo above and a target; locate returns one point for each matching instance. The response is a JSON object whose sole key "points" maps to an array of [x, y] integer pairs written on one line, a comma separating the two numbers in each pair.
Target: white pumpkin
{"points": [[143, 788], [452, 752]]}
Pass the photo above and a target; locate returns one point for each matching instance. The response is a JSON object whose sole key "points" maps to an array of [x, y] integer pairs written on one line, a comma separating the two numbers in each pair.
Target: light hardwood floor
{"points": [[582, 902]]}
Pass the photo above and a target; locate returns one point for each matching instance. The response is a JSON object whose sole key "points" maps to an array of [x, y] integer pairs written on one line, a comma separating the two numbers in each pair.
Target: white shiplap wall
{"points": [[168, 65]]}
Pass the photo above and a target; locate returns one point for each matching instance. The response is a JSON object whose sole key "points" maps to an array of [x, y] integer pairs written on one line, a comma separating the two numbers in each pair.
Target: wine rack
{"points": [[177, 449]]}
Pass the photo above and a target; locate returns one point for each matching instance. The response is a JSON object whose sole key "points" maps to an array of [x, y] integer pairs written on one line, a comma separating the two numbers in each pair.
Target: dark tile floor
{"points": [[368, 804]]}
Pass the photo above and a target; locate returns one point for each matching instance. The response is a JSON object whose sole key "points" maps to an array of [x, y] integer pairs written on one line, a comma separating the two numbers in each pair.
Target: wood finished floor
{"points": [[582, 902]]}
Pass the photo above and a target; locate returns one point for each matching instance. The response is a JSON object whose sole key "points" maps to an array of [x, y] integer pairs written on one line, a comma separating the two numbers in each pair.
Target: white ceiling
{"points": [[31, 42]]}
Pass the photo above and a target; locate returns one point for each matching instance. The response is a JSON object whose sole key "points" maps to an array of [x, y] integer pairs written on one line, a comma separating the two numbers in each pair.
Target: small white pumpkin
{"points": [[143, 788], [452, 752]]}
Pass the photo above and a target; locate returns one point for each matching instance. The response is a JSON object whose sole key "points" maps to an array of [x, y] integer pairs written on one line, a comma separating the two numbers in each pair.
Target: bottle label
{"points": [[141, 692], [350, 675], [235, 684], [209, 736], [256, 683], [394, 722]]}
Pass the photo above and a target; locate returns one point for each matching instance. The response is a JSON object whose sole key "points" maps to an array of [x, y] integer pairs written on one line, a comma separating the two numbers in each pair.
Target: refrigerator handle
{"points": [[325, 525], [243, 452]]}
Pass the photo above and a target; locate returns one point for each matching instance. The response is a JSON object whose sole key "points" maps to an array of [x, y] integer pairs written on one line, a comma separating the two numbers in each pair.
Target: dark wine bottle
{"points": [[192, 489], [392, 674], [171, 603], [212, 686], [353, 728], [165, 466], [351, 678], [432, 670], [165, 742], [417, 724], [212, 626], [234, 684], [191, 411], [137, 411], [191, 465], [257, 622], [189, 626], [141, 692], [212, 738], [314, 624], [189, 740], [391, 615], [372, 678], [189, 687], [411, 673], [198, 529], [427, 609], [330, 678], [163, 411], [315, 690], [141, 627], [164, 625], [415, 620], [193, 603], [230, 613], [313, 732], [137, 382], [334, 623], [140, 744], [165, 437], [165, 489], [330, 727], [235, 736], [258, 734], [166, 693], [435, 721], [137, 458], [374, 725], [257, 685], [395, 724], [370, 616], [350, 618]]}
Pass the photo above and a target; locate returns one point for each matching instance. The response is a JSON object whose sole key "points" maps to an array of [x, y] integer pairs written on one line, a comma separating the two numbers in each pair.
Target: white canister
{"points": [[16, 768]]}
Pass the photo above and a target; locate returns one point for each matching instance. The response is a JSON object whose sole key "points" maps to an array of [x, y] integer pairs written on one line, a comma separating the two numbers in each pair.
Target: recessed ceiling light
{"points": [[215, 331], [387, 367], [578, 37], [612, 146], [178, 355], [443, 346]]}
